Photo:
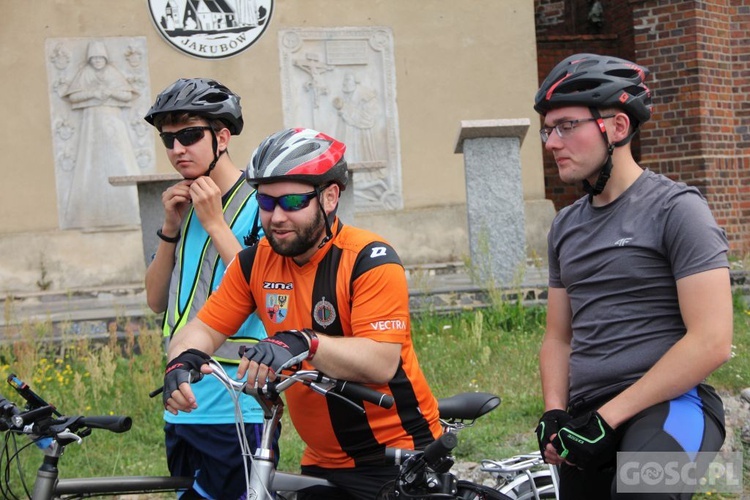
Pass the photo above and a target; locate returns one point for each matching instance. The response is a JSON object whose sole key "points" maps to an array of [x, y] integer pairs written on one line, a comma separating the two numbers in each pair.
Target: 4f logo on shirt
{"points": [[623, 241], [277, 306]]}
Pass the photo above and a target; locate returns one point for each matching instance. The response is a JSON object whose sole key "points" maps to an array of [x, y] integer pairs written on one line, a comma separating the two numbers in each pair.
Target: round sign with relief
{"points": [[211, 29]]}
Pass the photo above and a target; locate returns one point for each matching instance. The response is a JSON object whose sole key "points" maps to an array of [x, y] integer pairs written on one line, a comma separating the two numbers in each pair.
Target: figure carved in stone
{"points": [[357, 109], [100, 91], [348, 75], [313, 66]]}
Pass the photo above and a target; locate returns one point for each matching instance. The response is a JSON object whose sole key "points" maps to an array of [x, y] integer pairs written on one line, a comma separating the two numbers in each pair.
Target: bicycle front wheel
{"points": [[472, 491]]}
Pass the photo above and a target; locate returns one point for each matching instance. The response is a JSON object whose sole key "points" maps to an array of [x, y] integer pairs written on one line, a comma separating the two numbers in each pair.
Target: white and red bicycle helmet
{"points": [[299, 155]]}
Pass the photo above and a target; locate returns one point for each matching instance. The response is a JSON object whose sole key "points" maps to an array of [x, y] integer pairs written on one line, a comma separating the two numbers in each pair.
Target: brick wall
{"points": [[699, 58]]}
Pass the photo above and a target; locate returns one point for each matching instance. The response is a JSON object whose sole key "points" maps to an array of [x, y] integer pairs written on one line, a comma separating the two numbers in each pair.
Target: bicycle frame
{"points": [[262, 477]]}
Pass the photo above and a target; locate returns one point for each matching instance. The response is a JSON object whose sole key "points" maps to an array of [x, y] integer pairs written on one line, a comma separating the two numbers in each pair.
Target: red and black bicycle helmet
{"points": [[596, 81], [299, 155], [201, 96]]}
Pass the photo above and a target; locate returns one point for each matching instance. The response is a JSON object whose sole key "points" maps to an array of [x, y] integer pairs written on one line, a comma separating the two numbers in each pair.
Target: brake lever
{"points": [[69, 436], [318, 387]]}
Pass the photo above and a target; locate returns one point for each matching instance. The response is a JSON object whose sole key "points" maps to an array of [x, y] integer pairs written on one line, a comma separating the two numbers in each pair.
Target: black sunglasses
{"points": [[288, 202], [187, 136]]}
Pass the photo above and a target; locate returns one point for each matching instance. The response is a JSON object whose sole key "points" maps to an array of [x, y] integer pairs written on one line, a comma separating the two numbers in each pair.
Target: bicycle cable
{"points": [[239, 423]]}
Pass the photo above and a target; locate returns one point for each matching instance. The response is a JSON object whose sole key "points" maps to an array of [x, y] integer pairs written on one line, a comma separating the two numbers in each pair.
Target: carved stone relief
{"points": [[98, 94], [341, 81]]}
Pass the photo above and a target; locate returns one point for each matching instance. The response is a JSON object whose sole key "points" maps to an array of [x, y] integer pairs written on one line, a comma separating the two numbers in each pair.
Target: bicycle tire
{"points": [[465, 490], [472, 491]]}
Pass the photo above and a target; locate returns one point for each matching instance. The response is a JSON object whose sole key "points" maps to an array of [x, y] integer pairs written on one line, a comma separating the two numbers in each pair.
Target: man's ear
{"points": [[331, 197], [222, 137], [622, 126]]}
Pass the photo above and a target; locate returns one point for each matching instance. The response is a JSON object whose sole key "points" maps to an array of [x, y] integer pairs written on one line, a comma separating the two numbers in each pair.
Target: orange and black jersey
{"points": [[354, 286]]}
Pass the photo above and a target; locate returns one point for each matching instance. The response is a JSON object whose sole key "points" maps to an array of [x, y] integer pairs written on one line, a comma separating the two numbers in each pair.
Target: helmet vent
{"points": [[306, 149], [184, 93], [622, 73], [585, 64], [216, 97]]}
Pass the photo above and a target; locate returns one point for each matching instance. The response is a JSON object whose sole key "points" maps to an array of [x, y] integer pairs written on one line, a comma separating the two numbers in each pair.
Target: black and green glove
{"points": [[586, 441], [549, 424]]}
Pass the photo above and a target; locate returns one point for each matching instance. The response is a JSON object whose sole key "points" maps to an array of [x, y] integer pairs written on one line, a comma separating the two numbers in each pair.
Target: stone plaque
{"points": [[98, 92], [341, 81]]}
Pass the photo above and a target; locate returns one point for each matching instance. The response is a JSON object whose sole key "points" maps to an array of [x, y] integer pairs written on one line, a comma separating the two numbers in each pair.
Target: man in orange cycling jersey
{"points": [[331, 297]]}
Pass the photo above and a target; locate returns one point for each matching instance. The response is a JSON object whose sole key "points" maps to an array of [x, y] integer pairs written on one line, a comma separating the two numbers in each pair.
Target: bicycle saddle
{"points": [[467, 405]]}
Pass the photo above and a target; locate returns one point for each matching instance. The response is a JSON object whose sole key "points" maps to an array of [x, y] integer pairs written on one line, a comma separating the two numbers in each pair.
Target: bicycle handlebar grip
{"points": [[7, 410], [440, 448], [356, 391], [111, 423], [397, 456]]}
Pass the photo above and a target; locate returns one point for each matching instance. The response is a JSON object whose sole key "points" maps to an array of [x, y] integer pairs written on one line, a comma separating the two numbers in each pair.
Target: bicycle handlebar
{"points": [[351, 392], [37, 419], [113, 423], [439, 449], [357, 391], [8, 410], [432, 455]]}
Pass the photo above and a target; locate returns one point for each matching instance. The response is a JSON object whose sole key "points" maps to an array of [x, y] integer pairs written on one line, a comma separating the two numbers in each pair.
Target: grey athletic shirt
{"points": [[619, 265]]}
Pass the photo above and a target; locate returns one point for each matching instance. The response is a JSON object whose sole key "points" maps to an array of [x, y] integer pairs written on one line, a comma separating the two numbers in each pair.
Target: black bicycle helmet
{"points": [[201, 96], [299, 155], [596, 81]]}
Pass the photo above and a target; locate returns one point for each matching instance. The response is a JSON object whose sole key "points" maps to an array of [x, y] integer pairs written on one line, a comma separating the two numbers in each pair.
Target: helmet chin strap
{"points": [[216, 155], [211, 165], [329, 233], [606, 170]]}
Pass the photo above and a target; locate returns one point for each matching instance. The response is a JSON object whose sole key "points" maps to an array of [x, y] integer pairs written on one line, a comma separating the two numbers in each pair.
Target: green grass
{"points": [[490, 350]]}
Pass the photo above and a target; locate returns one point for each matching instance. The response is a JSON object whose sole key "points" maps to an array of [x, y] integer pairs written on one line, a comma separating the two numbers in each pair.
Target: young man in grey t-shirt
{"points": [[639, 305]]}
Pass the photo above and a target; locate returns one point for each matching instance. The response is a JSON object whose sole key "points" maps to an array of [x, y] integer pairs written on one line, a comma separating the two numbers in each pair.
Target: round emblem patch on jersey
{"points": [[211, 29], [324, 313]]}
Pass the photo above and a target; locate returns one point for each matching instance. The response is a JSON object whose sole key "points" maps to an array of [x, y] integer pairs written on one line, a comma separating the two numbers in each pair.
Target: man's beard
{"points": [[306, 237]]}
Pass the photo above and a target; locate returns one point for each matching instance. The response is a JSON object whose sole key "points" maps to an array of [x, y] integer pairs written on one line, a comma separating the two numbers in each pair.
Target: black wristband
{"points": [[168, 239]]}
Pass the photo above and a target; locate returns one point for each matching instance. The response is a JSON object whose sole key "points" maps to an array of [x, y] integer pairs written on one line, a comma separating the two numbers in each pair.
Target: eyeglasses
{"points": [[288, 202], [565, 129], [187, 136]]}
